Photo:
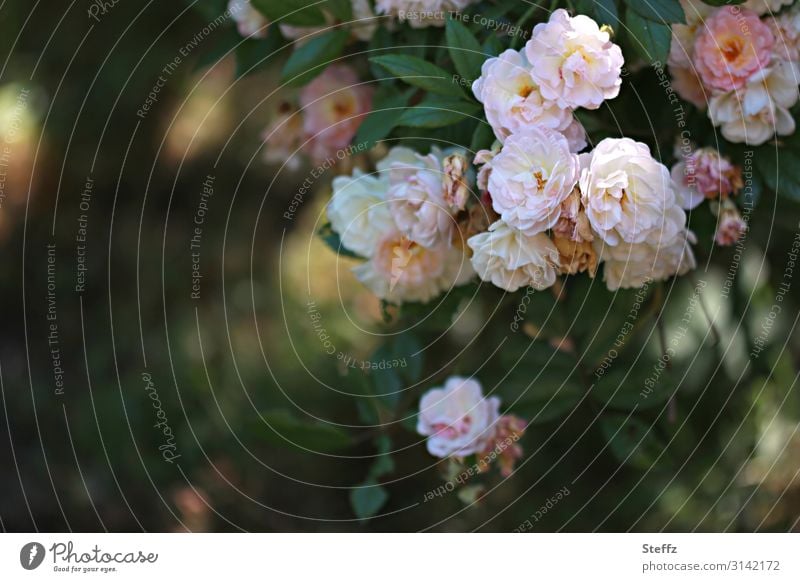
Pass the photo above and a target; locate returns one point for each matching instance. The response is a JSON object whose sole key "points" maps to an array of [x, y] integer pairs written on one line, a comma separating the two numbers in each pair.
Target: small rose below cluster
{"points": [[459, 421]]}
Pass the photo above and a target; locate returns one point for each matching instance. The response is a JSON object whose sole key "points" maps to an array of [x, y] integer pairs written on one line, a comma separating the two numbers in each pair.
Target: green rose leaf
{"points": [[420, 73], [780, 168], [388, 107], [283, 429], [341, 9], [465, 50], [331, 238], [310, 59], [434, 111], [367, 499], [660, 11], [630, 440], [650, 39]]}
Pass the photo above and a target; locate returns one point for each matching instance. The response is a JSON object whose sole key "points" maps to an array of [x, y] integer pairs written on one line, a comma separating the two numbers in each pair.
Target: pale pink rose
{"points": [[628, 195], [334, 105], [705, 174], [511, 98], [457, 419], [688, 86], [786, 29], [417, 195], [731, 226], [574, 62], [531, 176], [628, 266], [283, 139], [760, 110], [733, 45], [401, 271], [421, 13], [249, 21], [511, 259]]}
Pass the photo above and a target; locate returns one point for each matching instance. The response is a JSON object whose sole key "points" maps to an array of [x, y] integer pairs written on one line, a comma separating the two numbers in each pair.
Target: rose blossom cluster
{"points": [[705, 174], [459, 421], [402, 221], [332, 108], [561, 213], [743, 63]]}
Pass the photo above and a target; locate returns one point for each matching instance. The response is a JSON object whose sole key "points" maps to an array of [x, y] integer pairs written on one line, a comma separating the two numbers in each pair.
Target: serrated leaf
{"points": [[387, 108], [548, 399], [331, 238], [434, 112], [367, 499], [630, 440], [603, 11], [282, 428], [465, 50], [483, 138], [341, 9], [420, 73], [294, 12], [660, 11], [650, 39], [780, 170], [253, 54], [310, 59]]}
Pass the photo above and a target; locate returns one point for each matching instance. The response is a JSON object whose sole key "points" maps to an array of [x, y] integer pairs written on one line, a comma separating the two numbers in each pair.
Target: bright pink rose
{"points": [[733, 45], [333, 106]]}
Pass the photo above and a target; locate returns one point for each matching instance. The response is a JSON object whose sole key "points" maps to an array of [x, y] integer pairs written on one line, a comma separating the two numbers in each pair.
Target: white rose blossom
{"points": [[786, 29], [510, 259], [628, 195], [457, 419], [629, 266], [359, 212], [530, 178], [421, 13], [417, 195], [760, 110], [511, 98], [574, 62], [761, 7]]}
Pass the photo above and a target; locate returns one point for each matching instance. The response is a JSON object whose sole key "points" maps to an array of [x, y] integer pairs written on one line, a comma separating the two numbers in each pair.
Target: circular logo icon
{"points": [[31, 555]]}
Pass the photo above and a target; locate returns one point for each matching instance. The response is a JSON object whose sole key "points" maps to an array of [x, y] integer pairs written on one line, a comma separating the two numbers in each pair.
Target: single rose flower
{"points": [[511, 259], [334, 105], [574, 62], [733, 45], [457, 419], [511, 98], [530, 178], [628, 195]]}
